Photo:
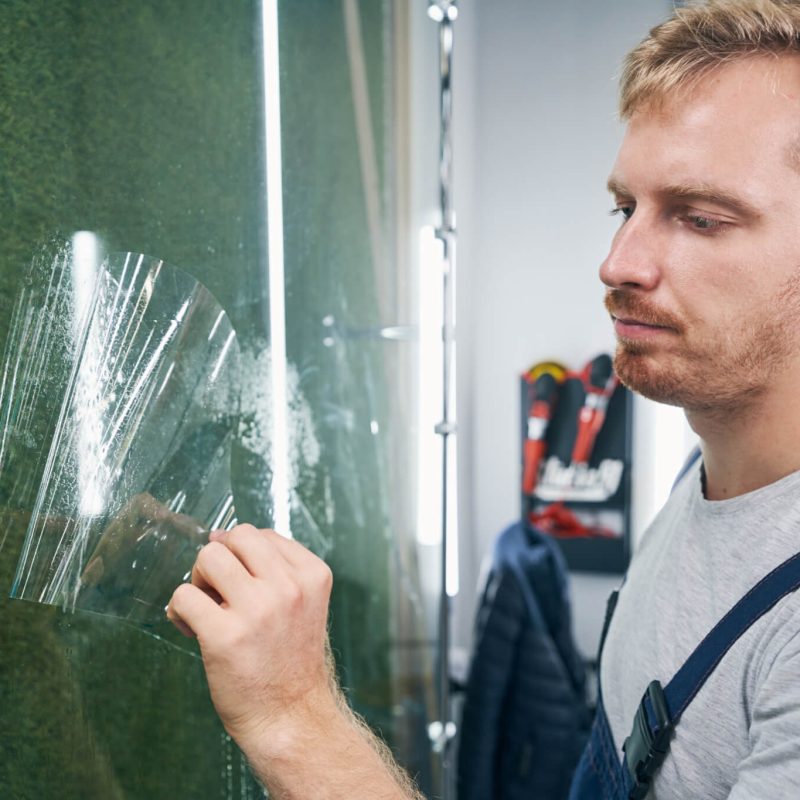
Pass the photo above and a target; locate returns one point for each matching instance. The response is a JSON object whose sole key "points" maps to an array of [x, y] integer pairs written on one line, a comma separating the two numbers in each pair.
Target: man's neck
{"points": [[752, 448]]}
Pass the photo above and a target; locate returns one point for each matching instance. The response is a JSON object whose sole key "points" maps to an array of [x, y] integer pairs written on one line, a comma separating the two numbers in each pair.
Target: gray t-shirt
{"points": [[740, 737]]}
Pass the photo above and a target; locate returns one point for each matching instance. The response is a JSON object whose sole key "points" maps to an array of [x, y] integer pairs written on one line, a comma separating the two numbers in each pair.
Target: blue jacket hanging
{"points": [[525, 719]]}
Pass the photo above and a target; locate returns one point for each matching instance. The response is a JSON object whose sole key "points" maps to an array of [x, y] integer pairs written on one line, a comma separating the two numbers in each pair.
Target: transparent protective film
{"points": [[138, 467]]}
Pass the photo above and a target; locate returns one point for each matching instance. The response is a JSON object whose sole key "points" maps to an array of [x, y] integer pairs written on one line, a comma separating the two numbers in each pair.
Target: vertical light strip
{"points": [[662, 439], [673, 440], [451, 483], [452, 581], [91, 465], [277, 305]]}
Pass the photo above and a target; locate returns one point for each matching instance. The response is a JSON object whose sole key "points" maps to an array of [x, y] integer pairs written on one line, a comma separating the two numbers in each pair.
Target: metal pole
{"points": [[444, 12]]}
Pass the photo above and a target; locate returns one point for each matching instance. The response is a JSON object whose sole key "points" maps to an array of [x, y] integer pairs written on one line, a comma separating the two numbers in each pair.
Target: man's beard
{"points": [[727, 370]]}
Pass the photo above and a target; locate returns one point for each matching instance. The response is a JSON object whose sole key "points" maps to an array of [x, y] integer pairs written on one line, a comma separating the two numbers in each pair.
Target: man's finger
{"points": [[218, 570], [192, 611], [254, 548], [257, 548]]}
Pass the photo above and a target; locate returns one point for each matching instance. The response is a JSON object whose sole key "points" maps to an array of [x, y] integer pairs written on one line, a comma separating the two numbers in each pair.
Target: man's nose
{"points": [[633, 258]]}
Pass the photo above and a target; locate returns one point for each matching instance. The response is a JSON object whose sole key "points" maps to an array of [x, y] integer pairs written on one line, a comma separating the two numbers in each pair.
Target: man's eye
{"points": [[625, 211], [703, 223]]}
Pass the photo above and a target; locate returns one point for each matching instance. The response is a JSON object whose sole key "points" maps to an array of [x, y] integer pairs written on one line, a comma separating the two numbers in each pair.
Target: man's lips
{"points": [[631, 328], [638, 317]]}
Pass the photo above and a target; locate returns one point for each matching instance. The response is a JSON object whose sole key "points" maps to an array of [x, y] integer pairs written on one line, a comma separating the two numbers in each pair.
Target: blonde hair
{"points": [[700, 37]]}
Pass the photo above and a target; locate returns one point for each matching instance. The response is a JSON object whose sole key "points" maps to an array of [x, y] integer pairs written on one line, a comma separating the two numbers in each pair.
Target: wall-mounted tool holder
{"points": [[576, 461]]}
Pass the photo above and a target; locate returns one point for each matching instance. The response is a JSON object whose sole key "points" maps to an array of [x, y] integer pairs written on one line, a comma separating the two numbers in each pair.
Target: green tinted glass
{"points": [[144, 123]]}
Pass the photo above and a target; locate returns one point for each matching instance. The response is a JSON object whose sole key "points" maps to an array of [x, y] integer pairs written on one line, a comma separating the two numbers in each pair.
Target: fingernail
{"points": [[215, 536]]}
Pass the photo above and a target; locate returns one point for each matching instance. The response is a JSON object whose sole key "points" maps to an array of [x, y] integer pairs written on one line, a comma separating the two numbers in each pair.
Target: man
{"points": [[703, 283]]}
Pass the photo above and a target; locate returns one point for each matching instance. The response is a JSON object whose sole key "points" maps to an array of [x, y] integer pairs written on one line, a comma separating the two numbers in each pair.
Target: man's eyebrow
{"points": [[617, 188], [698, 191], [712, 194]]}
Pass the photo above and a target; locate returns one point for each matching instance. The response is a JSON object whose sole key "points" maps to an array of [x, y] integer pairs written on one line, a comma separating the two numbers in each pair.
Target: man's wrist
{"points": [[284, 734], [322, 749]]}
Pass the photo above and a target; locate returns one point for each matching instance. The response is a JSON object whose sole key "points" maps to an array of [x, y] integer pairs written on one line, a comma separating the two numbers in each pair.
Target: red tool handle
{"points": [[533, 452], [590, 420]]}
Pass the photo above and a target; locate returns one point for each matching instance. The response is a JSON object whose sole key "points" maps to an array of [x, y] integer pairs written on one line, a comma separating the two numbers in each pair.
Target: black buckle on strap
{"points": [[645, 751]]}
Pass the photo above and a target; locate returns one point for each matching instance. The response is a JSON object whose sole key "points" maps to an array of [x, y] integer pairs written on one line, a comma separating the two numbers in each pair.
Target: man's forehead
{"points": [[751, 103], [747, 76]]}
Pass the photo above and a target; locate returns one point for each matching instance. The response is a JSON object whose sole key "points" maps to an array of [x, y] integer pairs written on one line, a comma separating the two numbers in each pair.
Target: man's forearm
{"points": [[258, 604], [334, 757]]}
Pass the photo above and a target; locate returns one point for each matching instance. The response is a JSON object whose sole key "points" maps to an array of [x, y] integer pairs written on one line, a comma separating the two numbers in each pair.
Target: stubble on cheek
{"points": [[697, 376], [726, 368]]}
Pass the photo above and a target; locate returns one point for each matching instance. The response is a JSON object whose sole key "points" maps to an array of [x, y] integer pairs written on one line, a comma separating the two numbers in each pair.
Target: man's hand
{"points": [[258, 604]]}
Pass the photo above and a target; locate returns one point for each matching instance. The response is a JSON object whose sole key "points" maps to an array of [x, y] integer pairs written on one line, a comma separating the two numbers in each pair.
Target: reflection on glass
{"points": [[139, 462]]}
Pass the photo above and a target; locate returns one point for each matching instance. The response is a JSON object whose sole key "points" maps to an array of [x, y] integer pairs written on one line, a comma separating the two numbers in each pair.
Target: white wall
{"points": [[536, 135]]}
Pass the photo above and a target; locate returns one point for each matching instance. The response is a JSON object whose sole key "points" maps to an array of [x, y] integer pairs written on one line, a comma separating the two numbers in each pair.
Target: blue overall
{"points": [[601, 774]]}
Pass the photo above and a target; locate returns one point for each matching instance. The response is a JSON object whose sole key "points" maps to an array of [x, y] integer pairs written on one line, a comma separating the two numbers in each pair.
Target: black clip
{"points": [[645, 749]]}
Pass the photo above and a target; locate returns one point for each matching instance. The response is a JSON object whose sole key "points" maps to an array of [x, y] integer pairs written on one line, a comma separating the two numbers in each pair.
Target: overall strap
{"points": [[681, 690], [611, 607], [660, 709]]}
